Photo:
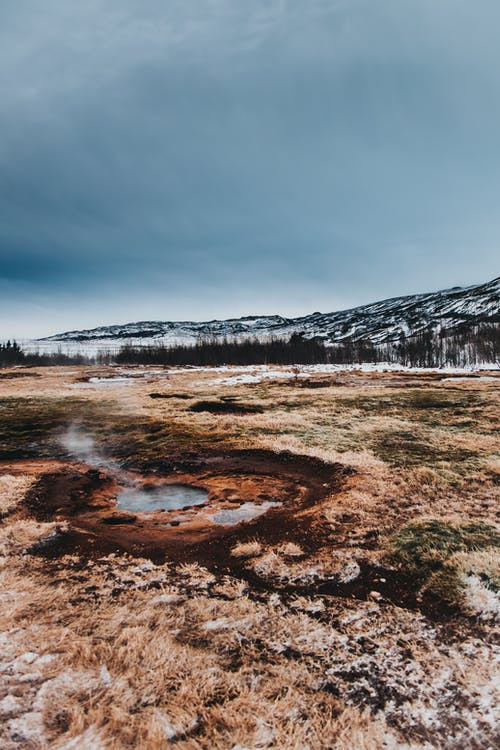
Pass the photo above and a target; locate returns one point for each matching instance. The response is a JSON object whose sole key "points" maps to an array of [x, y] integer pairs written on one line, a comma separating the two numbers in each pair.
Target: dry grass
{"points": [[247, 549], [116, 652], [12, 491], [88, 668], [290, 549]]}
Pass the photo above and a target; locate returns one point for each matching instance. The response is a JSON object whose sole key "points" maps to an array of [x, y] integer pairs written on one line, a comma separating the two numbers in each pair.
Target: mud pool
{"points": [[195, 512]]}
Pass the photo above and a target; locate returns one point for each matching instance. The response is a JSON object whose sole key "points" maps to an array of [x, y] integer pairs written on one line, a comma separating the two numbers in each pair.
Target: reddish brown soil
{"points": [[85, 498]]}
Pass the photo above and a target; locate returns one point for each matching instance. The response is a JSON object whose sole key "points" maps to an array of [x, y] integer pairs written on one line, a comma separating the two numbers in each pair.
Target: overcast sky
{"points": [[193, 159]]}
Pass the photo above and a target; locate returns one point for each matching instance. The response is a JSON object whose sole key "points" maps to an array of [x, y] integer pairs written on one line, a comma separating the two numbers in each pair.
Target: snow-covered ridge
{"points": [[379, 322]]}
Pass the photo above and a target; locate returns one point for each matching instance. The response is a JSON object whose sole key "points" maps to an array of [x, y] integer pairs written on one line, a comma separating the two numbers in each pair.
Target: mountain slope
{"points": [[378, 322]]}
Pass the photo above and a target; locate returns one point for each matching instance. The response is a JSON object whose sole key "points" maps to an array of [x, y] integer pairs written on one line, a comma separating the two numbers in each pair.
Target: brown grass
{"points": [[116, 652]]}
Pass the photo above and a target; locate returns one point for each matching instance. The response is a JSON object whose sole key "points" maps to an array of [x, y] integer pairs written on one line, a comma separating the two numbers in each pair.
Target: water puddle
{"points": [[245, 512], [469, 378], [101, 381], [127, 377], [122, 379], [166, 497]]}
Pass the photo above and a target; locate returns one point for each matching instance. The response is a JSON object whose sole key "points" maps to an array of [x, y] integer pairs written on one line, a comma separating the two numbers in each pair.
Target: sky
{"points": [[200, 159]]}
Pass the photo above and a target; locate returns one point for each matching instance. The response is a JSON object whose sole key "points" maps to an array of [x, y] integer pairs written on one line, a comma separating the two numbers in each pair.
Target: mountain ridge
{"points": [[379, 322]]}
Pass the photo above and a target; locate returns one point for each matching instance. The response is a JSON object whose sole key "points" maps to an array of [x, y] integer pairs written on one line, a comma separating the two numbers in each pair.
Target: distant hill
{"points": [[460, 308]]}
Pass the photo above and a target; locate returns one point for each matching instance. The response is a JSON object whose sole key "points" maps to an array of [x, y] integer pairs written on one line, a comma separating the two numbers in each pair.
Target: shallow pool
{"points": [[165, 497], [245, 512]]}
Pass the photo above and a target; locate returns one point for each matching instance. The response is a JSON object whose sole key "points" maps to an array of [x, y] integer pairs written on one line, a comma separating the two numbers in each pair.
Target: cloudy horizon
{"points": [[213, 159]]}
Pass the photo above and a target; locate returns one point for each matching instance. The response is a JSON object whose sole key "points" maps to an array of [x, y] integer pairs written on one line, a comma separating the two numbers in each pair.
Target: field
{"points": [[355, 606]]}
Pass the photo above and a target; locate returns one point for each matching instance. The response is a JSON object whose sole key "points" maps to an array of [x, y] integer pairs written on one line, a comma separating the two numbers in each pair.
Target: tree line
{"points": [[471, 346], [11, 355], [461, 347], [246, 351]]}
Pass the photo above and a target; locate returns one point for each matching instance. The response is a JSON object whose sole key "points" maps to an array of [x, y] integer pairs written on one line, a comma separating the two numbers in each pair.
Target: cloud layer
{"points": [[208, 158]]}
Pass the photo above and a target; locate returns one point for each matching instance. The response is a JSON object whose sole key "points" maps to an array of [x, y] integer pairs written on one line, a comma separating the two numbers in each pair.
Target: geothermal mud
{"points": [[284, 493], [249, 494]]}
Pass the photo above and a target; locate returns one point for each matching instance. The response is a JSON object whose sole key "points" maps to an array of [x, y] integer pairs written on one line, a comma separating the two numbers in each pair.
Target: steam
{"points": [[82, 446]]}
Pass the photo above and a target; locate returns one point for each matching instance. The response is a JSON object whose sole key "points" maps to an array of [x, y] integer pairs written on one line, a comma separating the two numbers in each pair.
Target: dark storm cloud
{"points": [[202, 158]]}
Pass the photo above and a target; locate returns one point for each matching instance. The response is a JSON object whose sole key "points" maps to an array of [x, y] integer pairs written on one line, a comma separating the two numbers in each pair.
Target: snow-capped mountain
{"points": [[378, 322]]}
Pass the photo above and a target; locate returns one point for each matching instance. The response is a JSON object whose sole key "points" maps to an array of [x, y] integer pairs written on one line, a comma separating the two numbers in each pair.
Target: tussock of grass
{"points": [[247, 549], [472, 581], [290, 549], [12, 491], [22, 536], [425, 546], [479, 598], [225, 407], [457, 561]]}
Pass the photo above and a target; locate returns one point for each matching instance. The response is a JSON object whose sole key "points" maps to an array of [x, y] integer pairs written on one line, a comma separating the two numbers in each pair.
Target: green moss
{"points": [[33, 427], [414, 399], [407, 448], [425, 547], [30, 427]]}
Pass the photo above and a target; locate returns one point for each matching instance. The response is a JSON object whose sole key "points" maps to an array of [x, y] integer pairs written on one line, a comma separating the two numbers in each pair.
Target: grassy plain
{"points": [[360, 613]]}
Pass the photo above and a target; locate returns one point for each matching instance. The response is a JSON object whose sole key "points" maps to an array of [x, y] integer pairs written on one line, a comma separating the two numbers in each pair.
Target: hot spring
{"points": [[165, 497]]}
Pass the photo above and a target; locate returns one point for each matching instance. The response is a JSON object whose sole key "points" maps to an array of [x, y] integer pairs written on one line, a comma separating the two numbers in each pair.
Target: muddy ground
{"points": [[359, 609]]}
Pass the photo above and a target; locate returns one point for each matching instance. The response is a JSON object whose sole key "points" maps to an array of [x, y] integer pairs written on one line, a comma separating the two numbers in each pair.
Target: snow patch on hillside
{"points": [[378, 322]]}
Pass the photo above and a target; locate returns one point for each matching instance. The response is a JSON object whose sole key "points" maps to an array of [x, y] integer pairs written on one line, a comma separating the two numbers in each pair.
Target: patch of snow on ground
{"points": [[468, 378], [89, 740], [258, 373], [481, 600]]}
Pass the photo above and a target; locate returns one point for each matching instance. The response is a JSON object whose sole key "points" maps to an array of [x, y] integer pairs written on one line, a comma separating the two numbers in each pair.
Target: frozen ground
{"points": [[233, 375], [263, 372]]}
